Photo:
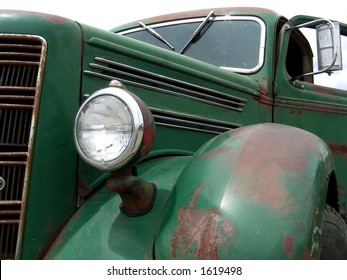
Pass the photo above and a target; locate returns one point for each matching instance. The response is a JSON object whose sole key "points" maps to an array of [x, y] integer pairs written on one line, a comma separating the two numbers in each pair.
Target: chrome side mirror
{"points": [[328, 44], [329, 47]]}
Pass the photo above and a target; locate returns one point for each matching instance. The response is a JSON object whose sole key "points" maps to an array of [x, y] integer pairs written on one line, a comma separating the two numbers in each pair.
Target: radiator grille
{"points": [[21, 67]]}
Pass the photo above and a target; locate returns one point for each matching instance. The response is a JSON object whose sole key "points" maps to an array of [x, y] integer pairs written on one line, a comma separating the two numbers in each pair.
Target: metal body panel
{"points": [[99, 230], [51, 197], [318, 109], [263, 184], [269, 17], [252, 192], [171, 84]]}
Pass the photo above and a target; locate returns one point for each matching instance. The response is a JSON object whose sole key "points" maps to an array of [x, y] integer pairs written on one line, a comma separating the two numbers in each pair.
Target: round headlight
{"points": [[109, 128]]}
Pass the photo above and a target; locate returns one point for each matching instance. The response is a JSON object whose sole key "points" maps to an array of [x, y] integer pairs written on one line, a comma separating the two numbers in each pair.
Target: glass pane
{"points": [[337, 79], [234, 44], [229, 43], [177, 35]]}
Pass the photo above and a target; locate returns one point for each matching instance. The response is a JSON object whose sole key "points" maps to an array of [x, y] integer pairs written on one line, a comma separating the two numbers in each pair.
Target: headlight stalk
{"points": [[114, 130], [137, 195]]}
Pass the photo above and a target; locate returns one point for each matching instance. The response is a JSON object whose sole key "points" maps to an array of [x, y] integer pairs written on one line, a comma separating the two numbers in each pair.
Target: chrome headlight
{"points": [[110, 127]]}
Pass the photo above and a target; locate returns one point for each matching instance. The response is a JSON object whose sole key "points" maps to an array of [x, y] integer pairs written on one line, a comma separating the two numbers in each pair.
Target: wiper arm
{"points": [[156, 35], [197, 32]]}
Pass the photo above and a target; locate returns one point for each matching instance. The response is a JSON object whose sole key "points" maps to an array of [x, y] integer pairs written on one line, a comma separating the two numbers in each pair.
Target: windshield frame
{"points": [[258, 20]]}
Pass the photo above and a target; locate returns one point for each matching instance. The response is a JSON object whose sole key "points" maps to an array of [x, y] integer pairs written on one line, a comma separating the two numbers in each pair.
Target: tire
{"points": [[334, 235]]}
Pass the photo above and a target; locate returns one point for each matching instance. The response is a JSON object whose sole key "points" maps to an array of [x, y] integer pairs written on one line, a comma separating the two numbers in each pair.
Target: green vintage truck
{"points": [[211, 134]]}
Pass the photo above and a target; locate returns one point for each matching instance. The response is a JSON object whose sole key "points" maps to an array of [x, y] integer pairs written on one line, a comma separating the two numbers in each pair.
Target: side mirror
{"points": [[328, 44], [329, 47]]}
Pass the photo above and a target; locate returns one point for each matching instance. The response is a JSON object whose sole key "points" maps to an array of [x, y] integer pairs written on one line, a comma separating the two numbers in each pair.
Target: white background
{"points": [[107, 14], [98, 270]]}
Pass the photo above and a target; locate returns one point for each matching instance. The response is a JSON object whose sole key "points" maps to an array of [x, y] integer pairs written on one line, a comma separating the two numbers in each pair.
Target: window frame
{"points": [[262, 44]]}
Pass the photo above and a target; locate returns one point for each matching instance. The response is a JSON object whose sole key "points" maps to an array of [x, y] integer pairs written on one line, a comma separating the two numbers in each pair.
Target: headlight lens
{"points": [[109, 128], [105, 128]]}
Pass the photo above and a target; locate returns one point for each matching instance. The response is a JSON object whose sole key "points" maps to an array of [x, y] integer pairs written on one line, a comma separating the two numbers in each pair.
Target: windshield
{"points": [[232, 42]]}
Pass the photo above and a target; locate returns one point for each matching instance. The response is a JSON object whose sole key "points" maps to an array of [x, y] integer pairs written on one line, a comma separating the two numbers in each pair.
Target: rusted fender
{"points": [[257, 192], [99, 230]]}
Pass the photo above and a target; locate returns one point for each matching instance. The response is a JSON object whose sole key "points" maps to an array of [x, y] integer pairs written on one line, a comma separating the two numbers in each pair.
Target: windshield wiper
{"points": [[197, 32], [156, 35]]}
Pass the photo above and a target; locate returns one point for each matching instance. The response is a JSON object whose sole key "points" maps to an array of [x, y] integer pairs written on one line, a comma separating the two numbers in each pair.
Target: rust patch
{"points": [[311, 106], [260, 175], [208, 245], [137, 195], [263, 88], [338, 149], [266, 188], [341, 191], [199, 231], [195, 195], [306, 255], [295, 112], [326, 91], [57, 238], [199, 228], [288, 245], [341, 195], [82, 188], [289, 158], [265, 99]]}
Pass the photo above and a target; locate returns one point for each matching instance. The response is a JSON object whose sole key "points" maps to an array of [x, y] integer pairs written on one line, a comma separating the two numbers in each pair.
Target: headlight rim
{"points": [[137, 122]]}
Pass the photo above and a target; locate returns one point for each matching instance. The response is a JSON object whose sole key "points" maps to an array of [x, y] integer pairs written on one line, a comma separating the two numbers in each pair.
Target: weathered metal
{"points": [[53, 100], [137, 195], [22, 61], [268, 187], [111, 234], [254, 191]]}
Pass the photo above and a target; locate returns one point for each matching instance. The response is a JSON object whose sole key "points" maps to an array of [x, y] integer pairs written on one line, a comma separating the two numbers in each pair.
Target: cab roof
{"points": [[261, 12]]}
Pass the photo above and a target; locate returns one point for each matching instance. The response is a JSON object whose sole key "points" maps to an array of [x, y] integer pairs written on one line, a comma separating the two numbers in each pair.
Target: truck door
{"points": [[317, 103]]}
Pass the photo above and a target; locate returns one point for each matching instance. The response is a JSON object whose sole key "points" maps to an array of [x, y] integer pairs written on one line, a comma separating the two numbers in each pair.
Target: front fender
{"points": [[257, 192], [99, 230]]}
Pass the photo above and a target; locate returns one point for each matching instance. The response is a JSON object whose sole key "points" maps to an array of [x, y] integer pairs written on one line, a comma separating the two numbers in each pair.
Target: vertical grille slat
{"points": [[21, 66], [17, 73]]}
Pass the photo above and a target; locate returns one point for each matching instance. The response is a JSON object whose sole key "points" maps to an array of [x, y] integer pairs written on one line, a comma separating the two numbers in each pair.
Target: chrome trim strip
{"points": [[31, 140], [194, 117], [190, 122], [171, 80], [168, 85], [27, 163], [127, 82], [187, 128]]}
